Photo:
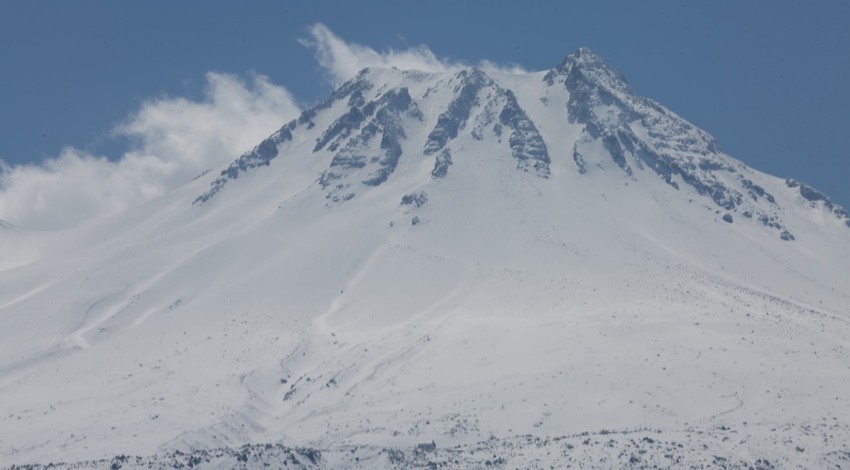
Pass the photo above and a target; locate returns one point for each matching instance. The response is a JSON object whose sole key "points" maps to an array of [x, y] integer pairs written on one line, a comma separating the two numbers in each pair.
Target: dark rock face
{"points": [[527, 145], [601, 99], [261, 155], [352, 89], [615, 148], [638, 132], [340, 129], [578, 158], [769, 221], [756, 191], [418, 199], [816, 197], [456, 116], [442, 164], [385, 119], [388, 120]]}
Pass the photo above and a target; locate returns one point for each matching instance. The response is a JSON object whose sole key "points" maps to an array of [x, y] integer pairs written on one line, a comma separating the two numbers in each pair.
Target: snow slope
{"points": [[464, 258]]}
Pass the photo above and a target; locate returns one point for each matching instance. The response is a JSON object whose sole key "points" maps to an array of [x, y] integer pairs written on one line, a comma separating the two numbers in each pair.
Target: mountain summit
{"points": [[468, 268], [375, 112]]}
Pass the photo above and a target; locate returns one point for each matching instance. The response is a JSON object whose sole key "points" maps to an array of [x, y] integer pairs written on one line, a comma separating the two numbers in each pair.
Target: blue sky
{"points": [[768, 79]]}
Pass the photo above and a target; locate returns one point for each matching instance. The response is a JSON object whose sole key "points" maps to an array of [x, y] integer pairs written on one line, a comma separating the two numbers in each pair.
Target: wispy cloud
{"points": [[174, 140], [342, 60]]}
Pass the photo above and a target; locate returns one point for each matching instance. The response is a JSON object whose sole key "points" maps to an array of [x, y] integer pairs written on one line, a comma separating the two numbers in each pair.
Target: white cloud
{"points": [[175, 140], [342, 60]]}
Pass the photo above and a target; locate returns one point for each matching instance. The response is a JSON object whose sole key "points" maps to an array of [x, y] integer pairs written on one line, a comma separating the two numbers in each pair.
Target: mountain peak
{"points": [[384, 120], [588, 66], [586, 54]]}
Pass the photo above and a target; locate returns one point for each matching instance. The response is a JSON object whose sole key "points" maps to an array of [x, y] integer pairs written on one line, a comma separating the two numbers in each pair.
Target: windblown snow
{"points": [[459, 270]]}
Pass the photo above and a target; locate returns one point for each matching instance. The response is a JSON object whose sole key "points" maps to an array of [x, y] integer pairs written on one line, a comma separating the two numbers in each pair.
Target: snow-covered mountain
{"points": [[535, 269]]}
